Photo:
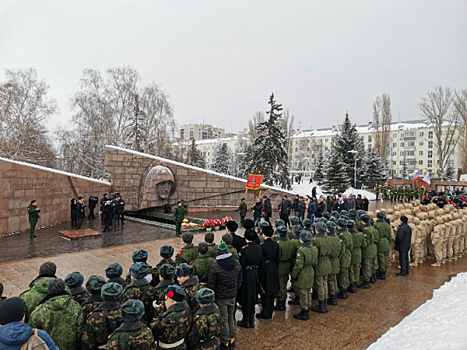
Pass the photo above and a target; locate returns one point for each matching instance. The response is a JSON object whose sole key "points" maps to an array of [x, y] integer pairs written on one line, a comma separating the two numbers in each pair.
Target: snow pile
{"points": [[305, 189], [437, 324]]}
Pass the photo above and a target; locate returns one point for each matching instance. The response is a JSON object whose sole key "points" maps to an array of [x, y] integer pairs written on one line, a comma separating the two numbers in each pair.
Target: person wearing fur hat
{"points": [[345, 257], [141, 255], [114, 274], [203, 263], [212, 247], [132, 333], [166, 252], [403, 240], [358, 243], [188, 253], [140, 289], [60, 316], [384, 231], [14, 332], [334, 251], [171, 331], [93, 286], [369, 252], [106, 318], [74, 281], [287, 250], [166, 278], [189, 283], [295, 239], [206, 326]]}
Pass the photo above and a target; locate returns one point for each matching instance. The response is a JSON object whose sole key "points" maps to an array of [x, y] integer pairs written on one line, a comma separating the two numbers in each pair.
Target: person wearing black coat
{"points": [[231, 227], [269, 274], [301, 208], [92, 204], [257, 211], [403, 239], [107, 215], [284, 210], [104, 199], [267, 209], [251, 258], [73, 212], [295, 204]]}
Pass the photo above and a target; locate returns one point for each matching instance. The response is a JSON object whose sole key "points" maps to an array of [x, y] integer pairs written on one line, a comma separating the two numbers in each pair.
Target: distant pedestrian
{"points": [[73, 212], [242, 210], [92, 203], [179, 215], [80, 213], [403, 240], [33, 212]]}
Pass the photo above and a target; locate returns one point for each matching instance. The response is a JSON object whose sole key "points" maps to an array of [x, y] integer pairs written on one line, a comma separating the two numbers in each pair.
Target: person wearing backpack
{"points": [[17, 335]]}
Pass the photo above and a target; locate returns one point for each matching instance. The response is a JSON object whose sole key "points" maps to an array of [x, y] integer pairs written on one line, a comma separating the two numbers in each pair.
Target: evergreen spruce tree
{"points": [[319, 171], [336, 180], [449, 173], [375, 169], [268, 154], [195, 156], [222, 160]]}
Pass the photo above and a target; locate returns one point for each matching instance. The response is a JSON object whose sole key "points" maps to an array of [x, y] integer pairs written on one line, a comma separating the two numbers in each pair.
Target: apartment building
{"points": [[200, 132]]}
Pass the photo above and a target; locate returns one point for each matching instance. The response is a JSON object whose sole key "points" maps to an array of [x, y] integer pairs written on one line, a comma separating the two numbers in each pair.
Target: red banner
{"points": [[254, 182]]}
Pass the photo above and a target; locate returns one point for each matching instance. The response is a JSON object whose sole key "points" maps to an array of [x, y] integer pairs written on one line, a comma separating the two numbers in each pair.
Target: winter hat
{"points": [[307, 223], [167, 271], [381, 215], [296, 230], [132, 311], [247, 224], [263, 224], [139, 270], [350, 224], [74, 279], [323, 220], [294, 220], [56, 287], [48, 269], [175, 292], [264, 197], [187, 237], [111, 291], [306, 236], [113, 270], [334, 220], [326, 215], [335, 214], [209, 237], [282, 230], [205, 296], [232, 226], [332, 227], [227, 238], [95, 284], [167, 251], [222, 248], [360, 213], [372, 221], [203, 248], [279, 222], [353, 214], [342, 223], [365, 218], [12, 310], [184, 270], [33, 201], [321, 227], [80, 197], [250, 235], [140, 255], [404, 219], [268, 231]]}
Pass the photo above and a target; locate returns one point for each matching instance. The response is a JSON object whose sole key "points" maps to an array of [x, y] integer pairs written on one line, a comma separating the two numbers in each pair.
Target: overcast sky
{"points": [[221, 60]]}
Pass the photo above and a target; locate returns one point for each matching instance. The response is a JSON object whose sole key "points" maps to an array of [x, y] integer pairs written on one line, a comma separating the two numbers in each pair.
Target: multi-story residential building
{"points": [[200, 132], [411, 147]]}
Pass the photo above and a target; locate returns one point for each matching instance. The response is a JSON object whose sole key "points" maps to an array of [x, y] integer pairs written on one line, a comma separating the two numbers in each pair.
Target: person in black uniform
{"points": [[73, 212], [231, 227], [92, 204], [269, 273], [102, 202], [250, 257]]}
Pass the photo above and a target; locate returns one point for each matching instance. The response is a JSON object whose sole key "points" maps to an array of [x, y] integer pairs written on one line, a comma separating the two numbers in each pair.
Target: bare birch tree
{"points": [[382, 118], [257, 118], [460, 105]]}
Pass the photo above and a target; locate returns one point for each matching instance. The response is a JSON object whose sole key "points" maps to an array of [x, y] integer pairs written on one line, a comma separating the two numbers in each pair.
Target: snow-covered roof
{"points": [[54, 171], [213, 141], [169, 161]]}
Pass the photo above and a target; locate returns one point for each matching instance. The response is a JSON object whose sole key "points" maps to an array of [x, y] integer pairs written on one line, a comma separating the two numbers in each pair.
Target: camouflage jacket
{"points": [[191, 286], [128, 277], [79, 294], [100, 324], [212, 250], [33, 296], [131, 336], [62, 318], [159, 299], [91, 303], [187, 255], [201, 267], [120, 281], [205, 329], [140, 289], [174, 325], [155, 273]]}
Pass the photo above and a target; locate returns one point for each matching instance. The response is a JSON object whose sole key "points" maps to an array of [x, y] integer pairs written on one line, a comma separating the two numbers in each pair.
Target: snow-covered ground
{"points": [[437, 324], [305, 189]]}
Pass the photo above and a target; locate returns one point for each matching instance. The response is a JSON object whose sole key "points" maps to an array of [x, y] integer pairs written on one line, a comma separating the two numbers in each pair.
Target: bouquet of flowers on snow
{"points": [[208, 223], [217, 222], [225, 219]]}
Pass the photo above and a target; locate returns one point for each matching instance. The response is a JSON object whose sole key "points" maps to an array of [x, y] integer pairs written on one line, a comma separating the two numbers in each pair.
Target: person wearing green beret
{"points": [[334, 250], [74, 281], [93, 286]]}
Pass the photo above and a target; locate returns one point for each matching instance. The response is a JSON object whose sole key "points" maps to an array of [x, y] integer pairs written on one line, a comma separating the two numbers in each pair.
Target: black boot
{"points": [[314, 294], [332, 300], [224, 346], [382, 275], [290, 290], [364, 285], [252, 320], [319, 308], [302, 316], [245, 322], [373, 278], [280, 305], [325, 302], [352, 288], [342, 294], [295, 301]]}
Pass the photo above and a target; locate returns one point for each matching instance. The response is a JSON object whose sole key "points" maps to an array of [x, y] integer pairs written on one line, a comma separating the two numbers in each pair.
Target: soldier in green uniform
{"points": [[323, 268], [93, 286], [140, 255], [179, 215], [209, 239], [206, 326], [384, 231], [287, 249], [227, 238], [74, 281], [358, 243], [114, 274], [60, 316], [334, 250], [33, 212], [203, 263], [353, 214], [369, 252], [294, 221], [104, 320], [188, 253], [303, 273], [345, 257], [243, 211], [376, 240], [189, 283], [296, 230], [166, 278], [359, 224], [140, 289], [132, 334], [171, 330]]}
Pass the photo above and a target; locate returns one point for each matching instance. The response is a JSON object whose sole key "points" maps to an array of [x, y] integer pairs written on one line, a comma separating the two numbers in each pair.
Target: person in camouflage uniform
{"points": [[206, 326], [368, 253], [296, 230], [189, 253], [74, 281], [189, 283], [203, 263], [166, 278], [38, 287], [93, 286], [303, 273], [132, 334], [345, 257], [114, 274], [60, 316], [171, 330], [287, 250], [359, 223], [227, 238], [294, 221], [324, 267], [141, 255], [209, 239], [384, 231], [166, 252], [104, 320], [334, 251], [140, 289], [358, 243], [376, 240]]}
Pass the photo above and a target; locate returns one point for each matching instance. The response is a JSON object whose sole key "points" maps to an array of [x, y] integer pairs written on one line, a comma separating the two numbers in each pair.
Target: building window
{"points": [[325, 140], [369, 138], [430, 144], [402, 144], [394, 145], [394, 162], [430, 163], [420, 162], [394, 136], [430, 154], [402, 154], [394, 154], [412, 144], [420, 143], [420, 153], [410, 134], [401, 162], [430, 134], [421, 133]]}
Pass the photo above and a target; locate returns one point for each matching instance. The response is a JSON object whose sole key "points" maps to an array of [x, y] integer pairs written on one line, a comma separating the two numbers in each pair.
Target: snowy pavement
{"points": [[305, 189], [437, 324]]}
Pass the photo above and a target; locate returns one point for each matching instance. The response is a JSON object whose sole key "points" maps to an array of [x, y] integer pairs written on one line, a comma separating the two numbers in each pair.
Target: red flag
{"points": [[254, 182]]}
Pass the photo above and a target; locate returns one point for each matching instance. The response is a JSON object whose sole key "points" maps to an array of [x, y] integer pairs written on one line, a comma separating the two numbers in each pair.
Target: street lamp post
{"points": [[355, 168]]}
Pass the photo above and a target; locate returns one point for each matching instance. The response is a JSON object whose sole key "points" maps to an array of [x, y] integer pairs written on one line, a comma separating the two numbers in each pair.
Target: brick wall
{"points": [[53, 190]]}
